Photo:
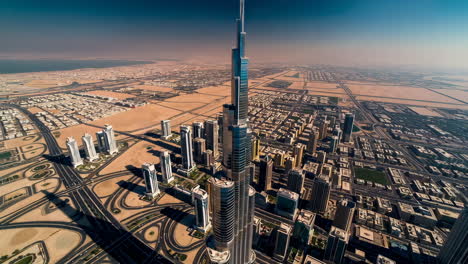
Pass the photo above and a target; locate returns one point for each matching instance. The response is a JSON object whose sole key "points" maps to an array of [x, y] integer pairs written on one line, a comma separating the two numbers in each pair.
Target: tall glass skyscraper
{"points": [[236, 148]]}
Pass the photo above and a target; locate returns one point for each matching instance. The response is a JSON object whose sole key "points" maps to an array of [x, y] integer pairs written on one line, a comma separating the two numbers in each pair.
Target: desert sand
{"points": [[412, 102], [458, 94], [424, 111]]}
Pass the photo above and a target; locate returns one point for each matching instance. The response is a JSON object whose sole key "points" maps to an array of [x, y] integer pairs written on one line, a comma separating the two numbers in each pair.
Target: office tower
{"points": [[109, 139], [344, 214], [313, 141], [287, 203], [336, 180], [321, 159], [333, 144], [337, 132], [186, 148], [320, 194], [74, 152], [336, 246], [90, 150], [236, 147], [222, 200], [251, 172], [198, 130], [101, 141], [304, 227], [255, 149], [348, 127], [455, 249], [199, 148], [166, 167], [208, 158], [151, 180], [296, 180], [323, 129], [211, 136], [282, 241], [327, 169], [279, 160], [289, 163], [266, 174], [200, 200], [166, 129], [298, 153]]}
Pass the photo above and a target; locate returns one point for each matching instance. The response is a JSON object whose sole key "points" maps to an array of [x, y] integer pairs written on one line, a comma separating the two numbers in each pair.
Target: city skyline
{"points": [[426, 34]]}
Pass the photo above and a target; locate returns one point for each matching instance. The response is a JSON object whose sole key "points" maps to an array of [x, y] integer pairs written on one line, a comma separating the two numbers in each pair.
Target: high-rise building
{"points": [[289, 163], [74, 152], [208, 158], [199, 148], [336, 245], [198, 130], [323, 132], [166, 129], [333, 144], [200, 200], [313, 141], [455, 249], [296, 180], [255, 149], [186, 148], [211, 136], [287, 203], [265, 174], [283, 235], [222, 200], [337, 132], [304, 227], [166, 167], [151, 180], [348, 127], [89, 148], [101, 141], [320, 194], [236, 149], [344, 214], [279, 159], [109, 140], [298, 153]]}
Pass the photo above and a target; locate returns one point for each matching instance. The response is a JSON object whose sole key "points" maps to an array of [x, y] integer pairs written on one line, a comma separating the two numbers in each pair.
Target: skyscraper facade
{"points": [[304, 227], [348, 127], [186, 148], [237, 149], [151, 180], [336, 245], [265, 174], [222, 200], [166, 167], [283, 236], [101, 141], [455, 249], [320, 194], [109, 139], [344, 214], [313, 141], [211, 136], [166, 129], [90, 150], [199, 148], [298, 153], [296, 180], [200, 200], [255, 149], [198, 130], [287, 203], [74, 152]]}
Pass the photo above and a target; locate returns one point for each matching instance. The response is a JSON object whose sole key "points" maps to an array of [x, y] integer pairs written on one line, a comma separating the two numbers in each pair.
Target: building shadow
{"points": [[136, 171], [133, 187], [174, 149], [179, 216], [119, 244], [156, 153], [153, 135], [59, 159]]}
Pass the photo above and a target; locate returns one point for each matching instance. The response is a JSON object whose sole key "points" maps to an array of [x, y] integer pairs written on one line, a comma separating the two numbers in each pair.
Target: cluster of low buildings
{"points": [[64, 110], [14, 124]]}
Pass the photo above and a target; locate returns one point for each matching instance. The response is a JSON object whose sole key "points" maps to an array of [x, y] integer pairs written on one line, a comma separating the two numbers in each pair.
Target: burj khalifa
{"points": [[236, 153]]}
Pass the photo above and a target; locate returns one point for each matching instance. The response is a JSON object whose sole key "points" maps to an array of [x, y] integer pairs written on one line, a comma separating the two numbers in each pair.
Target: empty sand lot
{"points": [[399, 92], [119, 96], [458, 94], [138, 118], [424, 111], [412, 102]]}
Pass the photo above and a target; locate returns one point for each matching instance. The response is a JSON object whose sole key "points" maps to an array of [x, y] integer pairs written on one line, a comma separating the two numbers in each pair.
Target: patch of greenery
{"points": [[356, 129], [279, 84], [5, 155], [334, 100], [26, 260], [371, 175]]}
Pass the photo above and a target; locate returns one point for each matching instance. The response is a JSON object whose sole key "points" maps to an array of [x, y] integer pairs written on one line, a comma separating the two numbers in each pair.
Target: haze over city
{"points": [[430, 33], [234, 132]]}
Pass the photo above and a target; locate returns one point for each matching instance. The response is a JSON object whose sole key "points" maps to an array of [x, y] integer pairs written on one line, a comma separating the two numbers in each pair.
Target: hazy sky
{"points": [[349, 32]]}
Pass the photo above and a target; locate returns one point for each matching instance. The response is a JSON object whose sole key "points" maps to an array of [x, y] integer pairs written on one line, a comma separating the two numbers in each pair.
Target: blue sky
{"points": [[348, 32]]}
